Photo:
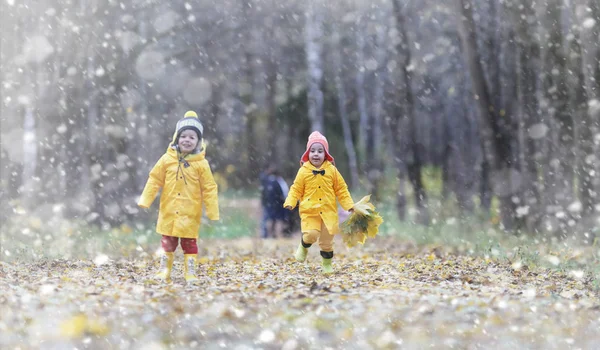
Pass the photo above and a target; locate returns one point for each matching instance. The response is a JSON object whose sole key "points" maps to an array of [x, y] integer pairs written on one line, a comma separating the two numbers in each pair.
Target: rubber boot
{"points": [[301, 253], [166, 265], [189, 266], [326, 266]]}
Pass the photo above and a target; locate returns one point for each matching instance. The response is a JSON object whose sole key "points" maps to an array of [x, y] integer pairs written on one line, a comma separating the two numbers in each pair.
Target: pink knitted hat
{"points": [[316, 137]]}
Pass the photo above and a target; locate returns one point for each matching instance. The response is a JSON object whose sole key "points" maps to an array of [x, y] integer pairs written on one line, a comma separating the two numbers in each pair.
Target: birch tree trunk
{"points": [[313, 34], [34, 80], [29, 145]]}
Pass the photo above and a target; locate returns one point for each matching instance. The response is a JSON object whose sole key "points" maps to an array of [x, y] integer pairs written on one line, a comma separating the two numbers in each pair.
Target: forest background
{"points": [[470, 112]]}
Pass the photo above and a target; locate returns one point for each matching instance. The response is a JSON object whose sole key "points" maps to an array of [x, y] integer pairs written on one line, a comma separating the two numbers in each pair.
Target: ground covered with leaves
{"points": [[386, 294]]}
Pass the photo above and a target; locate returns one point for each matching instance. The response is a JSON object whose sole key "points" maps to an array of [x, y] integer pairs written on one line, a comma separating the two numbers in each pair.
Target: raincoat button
{"points": [[179, 194], [320, 199], [321, 212]]}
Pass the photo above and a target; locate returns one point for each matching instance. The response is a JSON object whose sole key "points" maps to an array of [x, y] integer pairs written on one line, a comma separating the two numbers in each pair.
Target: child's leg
{"points": [[325, 240], [190, 251], [169, 244], [311, 231], [278, 228], [263, 223], [189, 246], [270, 227], [326, 245], [308, 238]]}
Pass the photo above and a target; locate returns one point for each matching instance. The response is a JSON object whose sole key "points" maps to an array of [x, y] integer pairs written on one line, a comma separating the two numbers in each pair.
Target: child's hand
{"points": [[288, 207]]}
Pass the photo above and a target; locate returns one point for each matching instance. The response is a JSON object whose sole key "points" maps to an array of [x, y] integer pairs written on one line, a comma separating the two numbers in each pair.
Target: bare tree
{"points": [[313, 33], [414, 163], [589, 16], [559, 177], [528, 115], [496, 150], [342, 110]]}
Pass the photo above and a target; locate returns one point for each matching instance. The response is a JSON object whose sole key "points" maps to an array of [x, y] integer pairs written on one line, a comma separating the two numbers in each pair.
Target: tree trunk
{"points": [[506, 128], [364, 122], [214, 136], [342, 100], [249, 170], [273, 151], [591, 40], [30, 151], [481, 92], [375, 150], [589, 16], [529, 118], [414, 164], [495, 147], [560, 177], [313, 33], [578, 106]]}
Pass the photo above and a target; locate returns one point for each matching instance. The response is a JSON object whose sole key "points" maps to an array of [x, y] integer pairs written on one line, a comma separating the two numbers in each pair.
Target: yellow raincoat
{"points": [[317, 195], [184, 189]]}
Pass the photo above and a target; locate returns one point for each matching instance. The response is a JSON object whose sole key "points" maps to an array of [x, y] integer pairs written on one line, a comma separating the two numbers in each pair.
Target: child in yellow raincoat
{"points": [[317, 186], [187, 182]]}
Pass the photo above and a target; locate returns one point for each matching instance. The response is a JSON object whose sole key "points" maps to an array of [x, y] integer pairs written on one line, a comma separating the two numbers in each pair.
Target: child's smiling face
{"points": [[317, 154], [188, 140]]}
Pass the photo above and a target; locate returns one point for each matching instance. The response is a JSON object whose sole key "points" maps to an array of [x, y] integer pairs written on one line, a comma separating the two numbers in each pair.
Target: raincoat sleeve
{"points": [[209, 192], [296, 191], [156, 181], [341, 191]]}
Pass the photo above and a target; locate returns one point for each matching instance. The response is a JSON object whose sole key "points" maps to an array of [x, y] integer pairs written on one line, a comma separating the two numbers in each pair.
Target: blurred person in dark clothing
{"points": [[274, 190]]}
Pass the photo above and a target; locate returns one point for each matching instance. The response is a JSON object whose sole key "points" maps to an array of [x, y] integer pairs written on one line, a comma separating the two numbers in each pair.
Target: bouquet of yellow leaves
{"points": [[362, 223]]}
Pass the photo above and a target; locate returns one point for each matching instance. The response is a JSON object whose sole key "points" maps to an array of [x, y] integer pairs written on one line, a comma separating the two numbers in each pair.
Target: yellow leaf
{"points": [[126, 229], [74, 327], [97, 328]]}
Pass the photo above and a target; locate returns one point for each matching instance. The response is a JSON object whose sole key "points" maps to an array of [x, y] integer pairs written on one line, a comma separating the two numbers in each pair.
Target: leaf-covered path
{"points": [[383, 295]]}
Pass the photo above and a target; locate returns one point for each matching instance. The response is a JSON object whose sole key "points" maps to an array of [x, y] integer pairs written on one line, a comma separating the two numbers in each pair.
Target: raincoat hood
{"points": [[316, 137]]}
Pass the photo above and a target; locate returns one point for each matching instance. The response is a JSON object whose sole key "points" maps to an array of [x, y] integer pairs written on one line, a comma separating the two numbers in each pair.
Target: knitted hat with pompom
{"points": [[189, 121]]}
